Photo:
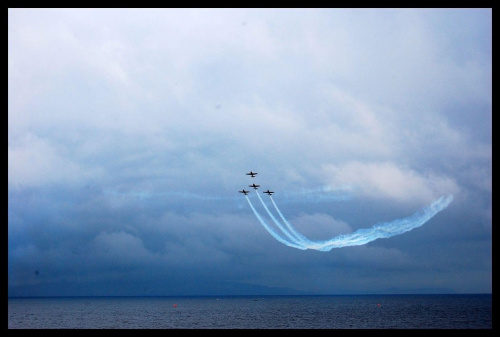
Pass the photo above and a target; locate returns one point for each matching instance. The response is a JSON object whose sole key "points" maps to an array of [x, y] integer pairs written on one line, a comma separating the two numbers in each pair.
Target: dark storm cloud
{"points": [[130, 135]]}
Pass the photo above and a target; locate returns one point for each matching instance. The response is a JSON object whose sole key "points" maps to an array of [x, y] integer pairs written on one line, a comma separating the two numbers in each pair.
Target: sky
{"points": [[130, 133]]}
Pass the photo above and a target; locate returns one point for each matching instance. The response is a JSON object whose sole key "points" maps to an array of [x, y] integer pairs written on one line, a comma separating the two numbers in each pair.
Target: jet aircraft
{"points": [[244, 192], [252, 174], [268, 192], [254, 186]]}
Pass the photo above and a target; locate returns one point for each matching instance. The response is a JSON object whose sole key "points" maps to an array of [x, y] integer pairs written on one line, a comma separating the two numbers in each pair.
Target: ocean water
{"points": [[254, 312]]}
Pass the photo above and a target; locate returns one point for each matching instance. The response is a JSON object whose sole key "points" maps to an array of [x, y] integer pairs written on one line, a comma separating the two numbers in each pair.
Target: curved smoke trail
{"points": [[270, 230], [385, 229], [365, 235], [287, 233], [303, 240]]}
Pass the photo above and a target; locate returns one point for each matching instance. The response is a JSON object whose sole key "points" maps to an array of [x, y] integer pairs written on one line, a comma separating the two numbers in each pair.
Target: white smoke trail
{"points": [[270, 230], [365, 235], [316, 195], [287, 233], [175, 195], [386, 229], [302, 239]]}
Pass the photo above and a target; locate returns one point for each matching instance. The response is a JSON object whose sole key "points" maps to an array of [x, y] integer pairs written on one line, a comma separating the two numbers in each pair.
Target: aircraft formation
{"points": [[254, 186], [292, 238]]}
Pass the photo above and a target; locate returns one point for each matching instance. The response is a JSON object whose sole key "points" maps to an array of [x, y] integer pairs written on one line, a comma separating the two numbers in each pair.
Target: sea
{"points": [[254, 312]]}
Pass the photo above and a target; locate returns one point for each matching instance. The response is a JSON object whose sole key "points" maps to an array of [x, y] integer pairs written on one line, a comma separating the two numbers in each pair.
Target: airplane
{"points": [[244, 192], [254, 186], [268, 192], [252, 174]]}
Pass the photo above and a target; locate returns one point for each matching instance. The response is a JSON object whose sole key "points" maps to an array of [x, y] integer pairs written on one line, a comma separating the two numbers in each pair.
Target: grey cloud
{"points": [[130, 130]]}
